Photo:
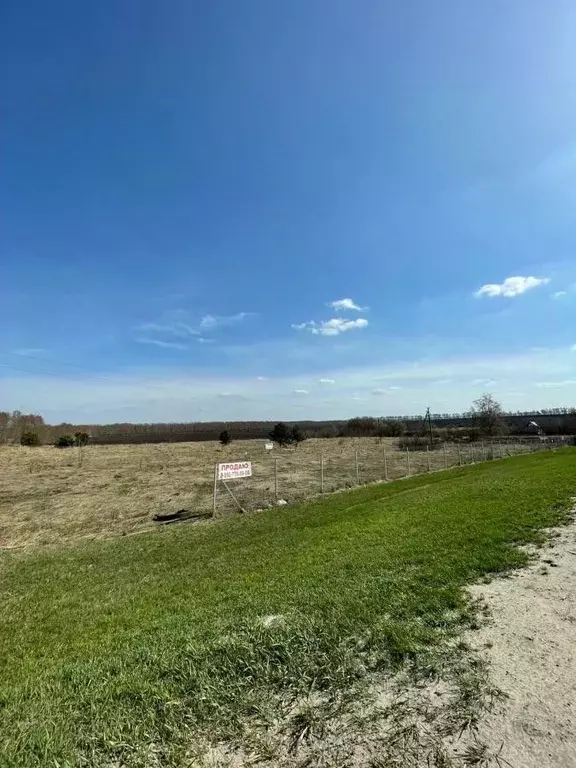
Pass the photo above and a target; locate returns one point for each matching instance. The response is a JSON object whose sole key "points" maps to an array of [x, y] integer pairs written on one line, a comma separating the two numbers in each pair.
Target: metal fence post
{"points": [[407, 462], [276, 479], [215, 490], [357, 468], [428, 457]]}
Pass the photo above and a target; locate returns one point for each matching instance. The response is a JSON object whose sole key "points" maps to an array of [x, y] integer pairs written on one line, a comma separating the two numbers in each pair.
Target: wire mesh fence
{"points": [[49, 495], [288, 477]]}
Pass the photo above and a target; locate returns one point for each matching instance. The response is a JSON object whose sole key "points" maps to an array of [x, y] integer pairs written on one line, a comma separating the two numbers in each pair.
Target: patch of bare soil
{"points": [[531, 649]]}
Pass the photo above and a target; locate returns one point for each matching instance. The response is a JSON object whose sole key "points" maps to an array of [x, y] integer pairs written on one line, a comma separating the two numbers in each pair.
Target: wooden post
{"points": [[459, 456], [385, 465], [276, 479], [445, 456], [322, 473], [428, 457], [215, 490], [357, 468], [407, 463]]}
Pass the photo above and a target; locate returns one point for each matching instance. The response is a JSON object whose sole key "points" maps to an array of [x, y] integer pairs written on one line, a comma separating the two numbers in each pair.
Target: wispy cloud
{"points": [[31, 352], [559, 164], [333, 327], [568, 292], [565, 383], [203, 340], [261, 378], [209, 322], [512, 286], [483, 382], [385, 390], [326, 381], [300, 391], [179, 329], [344, 305], [161, 343]]}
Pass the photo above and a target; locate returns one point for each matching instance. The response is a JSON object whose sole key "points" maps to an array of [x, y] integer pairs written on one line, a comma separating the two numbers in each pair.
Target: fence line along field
{"points": [[49, 496]]}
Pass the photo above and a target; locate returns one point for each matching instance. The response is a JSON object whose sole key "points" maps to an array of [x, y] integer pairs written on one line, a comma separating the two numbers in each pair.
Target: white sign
{"points": [[234, 469], [269, 446]]}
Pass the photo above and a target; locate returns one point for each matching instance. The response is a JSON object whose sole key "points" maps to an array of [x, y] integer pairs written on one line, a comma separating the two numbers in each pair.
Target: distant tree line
{"points": [[17, 427]]}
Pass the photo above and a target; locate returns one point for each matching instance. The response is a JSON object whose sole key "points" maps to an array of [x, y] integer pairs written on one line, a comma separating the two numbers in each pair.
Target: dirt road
{"points": [[531, 648]]}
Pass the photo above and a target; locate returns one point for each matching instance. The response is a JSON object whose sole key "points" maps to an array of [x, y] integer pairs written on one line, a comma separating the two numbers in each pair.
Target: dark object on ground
{"points": [[176, 517]]}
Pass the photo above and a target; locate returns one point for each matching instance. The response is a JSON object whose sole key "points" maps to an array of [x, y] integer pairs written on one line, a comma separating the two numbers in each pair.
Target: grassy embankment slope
{"points": [[122, 652]]}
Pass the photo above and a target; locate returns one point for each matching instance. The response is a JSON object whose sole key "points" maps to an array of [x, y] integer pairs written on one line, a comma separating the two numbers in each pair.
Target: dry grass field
{"points": [[50, 496]]}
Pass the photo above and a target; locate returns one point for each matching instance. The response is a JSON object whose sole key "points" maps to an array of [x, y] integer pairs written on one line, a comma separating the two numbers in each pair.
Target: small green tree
{"points": [[281, 434], [225, 437], [488, 415], [30, 438], [298, 436], [81, 438]]}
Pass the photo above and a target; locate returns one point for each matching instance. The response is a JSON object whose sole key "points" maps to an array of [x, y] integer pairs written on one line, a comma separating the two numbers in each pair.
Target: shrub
{"points": [[391, 428], [415, 442], [298, 436], [225, 437], [282, 434], [30, 438], [81, 438], [64, 441], [361, 426]]}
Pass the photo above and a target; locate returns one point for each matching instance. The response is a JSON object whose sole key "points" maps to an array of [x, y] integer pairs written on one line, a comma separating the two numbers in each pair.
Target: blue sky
{"points": [[267, 209]]}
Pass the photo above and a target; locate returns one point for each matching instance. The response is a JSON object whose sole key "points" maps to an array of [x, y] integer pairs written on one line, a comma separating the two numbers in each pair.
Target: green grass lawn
{"points": [[121, 653]]}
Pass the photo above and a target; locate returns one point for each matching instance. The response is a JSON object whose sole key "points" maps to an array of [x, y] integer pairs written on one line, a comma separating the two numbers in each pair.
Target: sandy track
{"points": [[531, 648]]}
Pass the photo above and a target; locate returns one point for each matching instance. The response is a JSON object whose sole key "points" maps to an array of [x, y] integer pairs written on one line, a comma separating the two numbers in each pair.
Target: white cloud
{"points": [[183, 391], [332, 327], [326, 381], [174, 329], [573, 348], [565, 383], [261, 378], [483, 382], [559, 294], [512, 286], [343, 305], [300, 391], [160, 343], [385, 390], [215, 321], [203, 340]]}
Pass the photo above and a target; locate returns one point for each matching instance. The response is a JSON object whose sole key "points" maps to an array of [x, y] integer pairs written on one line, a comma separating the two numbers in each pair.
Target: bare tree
{"points": [[488, 415]]}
